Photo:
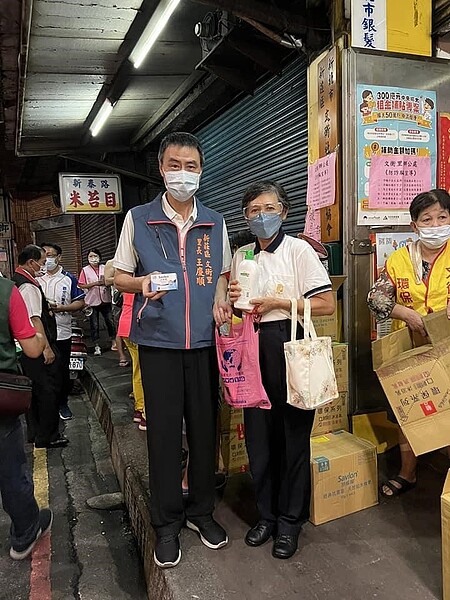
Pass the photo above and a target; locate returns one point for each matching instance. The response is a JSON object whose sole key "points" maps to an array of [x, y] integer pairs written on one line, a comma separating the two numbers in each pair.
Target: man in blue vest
{"points": [[174, 330]]}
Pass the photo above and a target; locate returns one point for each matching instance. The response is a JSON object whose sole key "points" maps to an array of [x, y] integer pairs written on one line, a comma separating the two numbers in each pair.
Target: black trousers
{"points": [[180, 383], [94, 320], [66, 384], [43, 415], [277, 440]]}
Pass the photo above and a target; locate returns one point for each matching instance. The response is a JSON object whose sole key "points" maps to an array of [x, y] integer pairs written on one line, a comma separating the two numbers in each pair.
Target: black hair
{"points": [[265, 187], [55, 247], [430, 102], [242, 238], [94, 251], [366, 93], [426, 199], [30, 252], [180, 138]]}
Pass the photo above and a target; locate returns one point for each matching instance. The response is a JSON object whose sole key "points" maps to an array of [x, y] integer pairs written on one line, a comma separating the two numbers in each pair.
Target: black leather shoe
{"points": [[259, 534], [285, 546], [61, 442]]}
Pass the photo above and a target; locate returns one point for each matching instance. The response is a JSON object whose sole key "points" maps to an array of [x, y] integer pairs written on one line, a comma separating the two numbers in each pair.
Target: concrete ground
{"points": [[94, 555], [389, 551]]}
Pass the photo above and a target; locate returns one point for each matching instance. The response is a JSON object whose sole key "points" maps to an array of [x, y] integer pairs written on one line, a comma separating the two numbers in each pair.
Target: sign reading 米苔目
{"points": [[90, 193]]}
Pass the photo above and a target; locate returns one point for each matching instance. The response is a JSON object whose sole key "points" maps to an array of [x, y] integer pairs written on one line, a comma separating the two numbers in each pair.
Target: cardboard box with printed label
{"points": [[340, 362], [232, 454], [416, 381], [445, 530], [344, 476], [332, 416], [331, 325]]}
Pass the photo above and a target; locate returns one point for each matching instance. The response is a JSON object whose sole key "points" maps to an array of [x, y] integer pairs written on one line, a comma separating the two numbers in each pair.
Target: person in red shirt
{"points": [[16, 485]]}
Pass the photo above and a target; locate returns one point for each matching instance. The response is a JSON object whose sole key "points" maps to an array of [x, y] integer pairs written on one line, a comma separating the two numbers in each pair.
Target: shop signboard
{"points": [[85, 194], [395, 26], [329, 136], [398, 127], [5, 230]]}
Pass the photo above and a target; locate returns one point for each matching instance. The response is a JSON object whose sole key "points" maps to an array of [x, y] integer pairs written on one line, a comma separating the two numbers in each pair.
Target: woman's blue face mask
{"points": [[265, 226]]}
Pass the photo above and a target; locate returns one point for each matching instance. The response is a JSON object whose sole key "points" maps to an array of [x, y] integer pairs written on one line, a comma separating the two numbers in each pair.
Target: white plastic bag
{"points": [[310, 377]]}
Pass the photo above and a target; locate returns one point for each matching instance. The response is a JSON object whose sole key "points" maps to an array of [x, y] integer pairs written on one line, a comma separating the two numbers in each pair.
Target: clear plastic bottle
{"points": [[248, 278]]}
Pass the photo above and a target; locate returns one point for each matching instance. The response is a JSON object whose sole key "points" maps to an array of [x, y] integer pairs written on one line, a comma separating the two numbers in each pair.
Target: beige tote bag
{"points": [[310, 377]]}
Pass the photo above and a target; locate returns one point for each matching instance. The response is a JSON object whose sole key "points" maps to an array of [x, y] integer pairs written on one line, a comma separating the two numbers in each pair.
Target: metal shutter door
{"points": [[97, 231], [261, 137], [66, 238]]}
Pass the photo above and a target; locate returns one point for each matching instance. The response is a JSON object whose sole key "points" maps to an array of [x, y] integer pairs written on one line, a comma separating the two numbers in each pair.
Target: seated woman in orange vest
{"points": [[413, 284]]}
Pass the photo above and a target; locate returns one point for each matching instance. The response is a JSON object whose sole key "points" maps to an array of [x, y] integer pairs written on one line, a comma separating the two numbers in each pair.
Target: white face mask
{"points": [[181, 185], [51, 263], [94, 261], [434, 237], [42, 271]]}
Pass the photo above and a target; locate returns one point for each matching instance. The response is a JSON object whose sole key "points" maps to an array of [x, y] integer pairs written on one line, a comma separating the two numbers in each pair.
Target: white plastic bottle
{"points": [[247, 276]]}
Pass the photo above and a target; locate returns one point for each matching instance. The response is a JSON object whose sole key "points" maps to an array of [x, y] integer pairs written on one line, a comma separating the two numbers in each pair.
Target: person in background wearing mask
{"points": [[28, 523], [98, 297], [44, 371], [117, 302], [65, 297], [422, 268], [278, 440], [174, 330]]}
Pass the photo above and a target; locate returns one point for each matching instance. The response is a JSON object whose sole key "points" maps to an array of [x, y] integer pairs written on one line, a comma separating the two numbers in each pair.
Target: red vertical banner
{"points": [[443, 168]]}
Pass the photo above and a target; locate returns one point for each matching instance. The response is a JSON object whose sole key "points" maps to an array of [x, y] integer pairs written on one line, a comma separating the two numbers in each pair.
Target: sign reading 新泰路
{"points": [[90, 193]]}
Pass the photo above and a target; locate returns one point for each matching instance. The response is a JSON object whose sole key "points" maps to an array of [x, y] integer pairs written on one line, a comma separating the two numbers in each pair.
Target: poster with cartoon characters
{"points": [[400, 125]]}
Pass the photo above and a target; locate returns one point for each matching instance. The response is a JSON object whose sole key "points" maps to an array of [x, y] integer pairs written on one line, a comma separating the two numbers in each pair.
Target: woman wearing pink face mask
{"points": [[413, 284], [98, 297]]}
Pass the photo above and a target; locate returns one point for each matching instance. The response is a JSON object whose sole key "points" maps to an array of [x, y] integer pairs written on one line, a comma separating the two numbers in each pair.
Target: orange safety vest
{"points": [[424, 298]]}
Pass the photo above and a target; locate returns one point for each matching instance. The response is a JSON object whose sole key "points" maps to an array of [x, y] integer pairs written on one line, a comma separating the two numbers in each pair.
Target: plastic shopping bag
{"points": [[310, 377], [238, 359]]}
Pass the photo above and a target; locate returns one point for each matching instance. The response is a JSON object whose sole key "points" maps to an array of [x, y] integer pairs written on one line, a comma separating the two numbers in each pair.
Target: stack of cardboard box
{"points": [[343, 467], [333, 416]]}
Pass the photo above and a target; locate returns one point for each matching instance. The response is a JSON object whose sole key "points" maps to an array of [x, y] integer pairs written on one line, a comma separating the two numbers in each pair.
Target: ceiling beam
{"points": [[98, 164], [281, 20], [168, 106]]}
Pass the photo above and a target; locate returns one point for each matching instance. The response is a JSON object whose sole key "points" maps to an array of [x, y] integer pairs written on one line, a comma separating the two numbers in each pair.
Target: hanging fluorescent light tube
{"points": [[101, 117], [158, 21]]}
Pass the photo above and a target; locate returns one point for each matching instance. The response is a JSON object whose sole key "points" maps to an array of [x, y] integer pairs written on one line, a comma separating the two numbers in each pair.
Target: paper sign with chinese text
{"points": [[328, 80], [90, 194], [395, 181], [444, 152], [322, 182], [312, 224], [392, 122]]}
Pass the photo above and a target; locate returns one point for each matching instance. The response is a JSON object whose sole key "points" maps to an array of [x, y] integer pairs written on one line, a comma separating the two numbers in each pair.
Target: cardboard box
{"points": [[416, 381], [332, 324], [344, 476], [445, 529], [332, 416], [340, 361], [233, 454]]}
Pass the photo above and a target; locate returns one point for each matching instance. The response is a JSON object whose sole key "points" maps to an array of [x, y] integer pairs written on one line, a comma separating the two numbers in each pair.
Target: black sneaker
{"points": [[65, 413], [45, 524], [211, 533], [167, 551]]}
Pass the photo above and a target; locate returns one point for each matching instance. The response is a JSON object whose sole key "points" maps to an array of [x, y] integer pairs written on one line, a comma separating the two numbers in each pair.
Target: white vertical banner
{"points": [[369, 24]]}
